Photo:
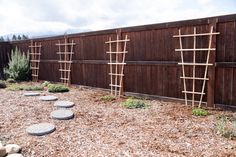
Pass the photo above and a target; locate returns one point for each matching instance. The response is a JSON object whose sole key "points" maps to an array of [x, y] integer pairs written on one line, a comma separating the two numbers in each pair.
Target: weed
{"points": [[199, 112], [131, 103], [225, 127], [54, 88], [107, 98], [45, 83], [17, 87]]}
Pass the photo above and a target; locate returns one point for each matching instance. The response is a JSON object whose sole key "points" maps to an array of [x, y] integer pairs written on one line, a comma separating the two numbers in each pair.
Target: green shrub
{"points": [[134, 103], [15, 87], [54, 88], [199, 112], [107, 98], [18, 66], [225, 127], [32, 88], [45, 84], [2, 84]]}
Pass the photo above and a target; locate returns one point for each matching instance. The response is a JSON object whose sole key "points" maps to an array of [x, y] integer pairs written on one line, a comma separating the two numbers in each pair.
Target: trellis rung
{"points": [[36, 46], [114, 85], [64, 70], [34, 75], [115, 41], [191, 92], [116, 74], [34, 67], [65, 79], [117, 63], [203, 49], [200, 64], [192, 35], [35, 60], [118, 52], [35, 53], [194, 78]]}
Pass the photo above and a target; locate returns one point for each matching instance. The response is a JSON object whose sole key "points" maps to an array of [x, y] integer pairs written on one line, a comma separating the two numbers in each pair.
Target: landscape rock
{"points": [[3, 151], [12, 148], [32, 94], [15, 155], [64, 104], [62, 114], [40, 129], [48, 98]]}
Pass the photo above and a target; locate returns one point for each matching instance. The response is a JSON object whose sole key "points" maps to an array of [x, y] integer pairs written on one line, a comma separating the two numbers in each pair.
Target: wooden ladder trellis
{"points": [[35, 59], [65, 60], [117, 66], [194, 50]]}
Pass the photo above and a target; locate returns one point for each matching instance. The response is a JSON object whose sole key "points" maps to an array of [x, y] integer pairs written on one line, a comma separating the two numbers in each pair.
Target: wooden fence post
{"points": [[211, 72]]}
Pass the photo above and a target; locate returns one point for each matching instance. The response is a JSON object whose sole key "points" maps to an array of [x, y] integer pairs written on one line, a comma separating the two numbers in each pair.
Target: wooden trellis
{"points": [[65, 60], [195, 50], [117, 51], [35, 59]]}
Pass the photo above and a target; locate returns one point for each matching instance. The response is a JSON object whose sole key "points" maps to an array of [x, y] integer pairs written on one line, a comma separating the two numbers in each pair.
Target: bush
{"points": [[54, 88], [32, 88], [199, 112], [2, 84], [18, 66], [16, 87], [108, 98], [45, 83], [134, 103], [226, 127]]}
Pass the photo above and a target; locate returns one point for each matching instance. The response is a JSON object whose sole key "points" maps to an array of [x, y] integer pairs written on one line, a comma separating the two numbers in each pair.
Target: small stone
{"points": [[48, 98], [15, 155], [12, 148], [64, 104], [62, 114], [1, 145], [3, 152], [31, 94], [40, 129]]}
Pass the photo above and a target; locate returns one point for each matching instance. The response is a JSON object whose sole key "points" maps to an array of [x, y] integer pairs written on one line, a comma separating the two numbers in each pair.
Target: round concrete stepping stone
{"points": [[48, 98], [64, 104], [62, 114], [40, 129], [31, 94]]}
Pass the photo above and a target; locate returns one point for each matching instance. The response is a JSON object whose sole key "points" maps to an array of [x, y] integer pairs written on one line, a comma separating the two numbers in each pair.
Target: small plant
{"points": [[54, 88], [225, 127], [32, 88], [45, 83], [15, 87], [134, 103], [108, 98], [18, 66], [199, 112], [2, 84]]}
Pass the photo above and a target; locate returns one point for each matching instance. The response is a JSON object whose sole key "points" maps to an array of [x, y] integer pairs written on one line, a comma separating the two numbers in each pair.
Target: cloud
{"points": [[35, 17]]}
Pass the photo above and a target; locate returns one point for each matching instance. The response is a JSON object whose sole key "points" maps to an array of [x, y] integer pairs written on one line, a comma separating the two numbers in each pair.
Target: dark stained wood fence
{"points": [[151, 60]]}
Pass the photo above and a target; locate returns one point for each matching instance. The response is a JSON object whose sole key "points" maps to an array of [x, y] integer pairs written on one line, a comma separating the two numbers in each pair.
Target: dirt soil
{"points": [[108, 129]]}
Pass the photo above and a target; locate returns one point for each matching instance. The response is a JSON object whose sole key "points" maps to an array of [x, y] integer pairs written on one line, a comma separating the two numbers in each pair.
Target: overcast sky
{"points": [[45, 17]]}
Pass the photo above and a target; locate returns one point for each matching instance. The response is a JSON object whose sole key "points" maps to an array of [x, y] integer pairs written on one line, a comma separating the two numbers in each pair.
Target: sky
{"points": [[52, 17]]}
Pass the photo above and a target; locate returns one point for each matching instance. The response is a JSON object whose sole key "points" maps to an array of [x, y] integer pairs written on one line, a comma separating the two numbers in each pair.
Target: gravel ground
{"points": [[108, 129]]}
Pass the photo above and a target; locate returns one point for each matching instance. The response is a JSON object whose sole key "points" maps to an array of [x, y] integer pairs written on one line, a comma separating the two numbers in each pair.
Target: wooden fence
{"points": [[151, 60]]}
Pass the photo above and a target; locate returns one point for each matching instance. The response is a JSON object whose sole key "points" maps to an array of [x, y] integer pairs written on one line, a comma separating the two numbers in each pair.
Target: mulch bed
{"points": [[108, 129]]}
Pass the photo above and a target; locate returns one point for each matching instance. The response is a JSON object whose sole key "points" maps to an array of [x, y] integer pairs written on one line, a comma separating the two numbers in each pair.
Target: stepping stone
{"points": [[64, 104], [48, 98], [62, 114], [40, 129], [31, 94]]}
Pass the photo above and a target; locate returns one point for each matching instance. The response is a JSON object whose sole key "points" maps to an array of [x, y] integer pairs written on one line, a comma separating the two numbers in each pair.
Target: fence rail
{"points": [[152, 63]]}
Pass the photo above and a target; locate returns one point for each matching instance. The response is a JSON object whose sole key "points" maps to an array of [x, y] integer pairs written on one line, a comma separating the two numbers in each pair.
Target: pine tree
{"points": [[2, 39], [24, 37], [18, 37]]}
